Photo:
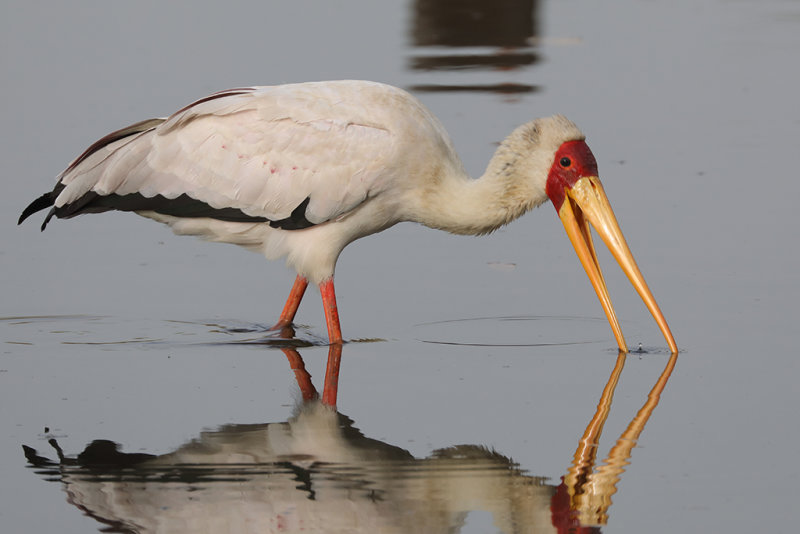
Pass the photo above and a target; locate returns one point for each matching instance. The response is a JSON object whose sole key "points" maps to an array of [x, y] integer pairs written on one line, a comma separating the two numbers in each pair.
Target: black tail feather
{"points": [[43, 202]]}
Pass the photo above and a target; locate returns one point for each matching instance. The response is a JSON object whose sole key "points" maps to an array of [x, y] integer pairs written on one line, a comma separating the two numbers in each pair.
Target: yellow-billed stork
{"points": [[302, 170]]}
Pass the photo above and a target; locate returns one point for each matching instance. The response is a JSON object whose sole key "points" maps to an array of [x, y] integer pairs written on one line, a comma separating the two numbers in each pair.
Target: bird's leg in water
{"points": [[292, 303], [331, 311]]}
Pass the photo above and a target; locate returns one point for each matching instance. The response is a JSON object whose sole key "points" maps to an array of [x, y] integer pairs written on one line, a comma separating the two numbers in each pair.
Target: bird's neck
{"points": [[461, 204]]}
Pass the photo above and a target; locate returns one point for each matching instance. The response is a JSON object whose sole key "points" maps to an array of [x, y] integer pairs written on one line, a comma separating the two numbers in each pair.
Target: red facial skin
{"points": [[561, 177]]}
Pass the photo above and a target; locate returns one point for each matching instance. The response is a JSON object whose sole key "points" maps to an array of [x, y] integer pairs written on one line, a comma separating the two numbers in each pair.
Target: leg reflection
{"points": [[331, 388], [302, 376], [330, 391]]}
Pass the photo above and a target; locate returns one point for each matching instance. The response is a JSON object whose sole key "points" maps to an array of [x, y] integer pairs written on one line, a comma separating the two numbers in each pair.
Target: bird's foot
{"points": [[285, 329]]}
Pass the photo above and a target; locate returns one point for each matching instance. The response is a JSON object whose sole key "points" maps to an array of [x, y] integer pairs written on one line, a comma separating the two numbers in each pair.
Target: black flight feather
{"points": [[44, 201], [297, 220], [181, 206]]}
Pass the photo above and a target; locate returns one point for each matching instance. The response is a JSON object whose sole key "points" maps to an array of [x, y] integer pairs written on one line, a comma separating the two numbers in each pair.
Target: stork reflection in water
{"points": [[318, 472]]}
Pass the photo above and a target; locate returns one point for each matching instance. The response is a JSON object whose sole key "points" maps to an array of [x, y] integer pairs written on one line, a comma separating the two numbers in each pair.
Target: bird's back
{"points": [[262, 151], [243, 165]]}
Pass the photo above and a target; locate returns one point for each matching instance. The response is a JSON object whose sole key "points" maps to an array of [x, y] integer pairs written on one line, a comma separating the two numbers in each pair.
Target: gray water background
{"points": [[114, 328]]}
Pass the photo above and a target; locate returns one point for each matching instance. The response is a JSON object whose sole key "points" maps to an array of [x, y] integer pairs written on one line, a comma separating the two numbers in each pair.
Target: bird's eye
{"points": [[565, 162]]}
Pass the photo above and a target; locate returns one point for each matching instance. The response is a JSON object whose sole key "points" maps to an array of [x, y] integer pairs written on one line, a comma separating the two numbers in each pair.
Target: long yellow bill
{"points": [[585, 203]]}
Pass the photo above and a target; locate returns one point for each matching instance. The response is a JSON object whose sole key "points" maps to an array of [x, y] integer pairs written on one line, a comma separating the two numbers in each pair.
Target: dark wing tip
{"points": [[297, 220], [48, 199], [44, 201]]}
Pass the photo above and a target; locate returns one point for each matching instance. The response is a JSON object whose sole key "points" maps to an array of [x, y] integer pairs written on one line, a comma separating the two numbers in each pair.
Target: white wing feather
{"points": [[263, 151]]}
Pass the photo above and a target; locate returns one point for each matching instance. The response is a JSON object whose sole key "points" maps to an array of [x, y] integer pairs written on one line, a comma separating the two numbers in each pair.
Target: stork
{"points": [[299, 171]]}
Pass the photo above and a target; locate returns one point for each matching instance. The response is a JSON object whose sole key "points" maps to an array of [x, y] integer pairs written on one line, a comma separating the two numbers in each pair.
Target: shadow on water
{"points": [[318, 472]]}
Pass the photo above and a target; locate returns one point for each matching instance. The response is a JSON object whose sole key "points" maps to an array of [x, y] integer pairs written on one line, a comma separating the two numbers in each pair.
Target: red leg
{"points": [[292, 303], [331, 387], [331, 311]]}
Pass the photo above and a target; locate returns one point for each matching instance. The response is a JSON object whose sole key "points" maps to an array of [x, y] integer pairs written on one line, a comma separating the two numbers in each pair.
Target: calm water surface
{"points": [[481, 390]]}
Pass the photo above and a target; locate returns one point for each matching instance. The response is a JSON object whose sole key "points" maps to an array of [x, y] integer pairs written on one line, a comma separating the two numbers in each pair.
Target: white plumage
{"points": [[301, 170], [264, 151]]}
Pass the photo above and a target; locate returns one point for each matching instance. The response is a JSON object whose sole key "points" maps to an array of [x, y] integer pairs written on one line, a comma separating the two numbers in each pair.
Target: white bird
{"points": [[302, 170]]}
